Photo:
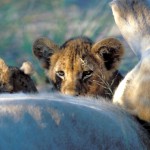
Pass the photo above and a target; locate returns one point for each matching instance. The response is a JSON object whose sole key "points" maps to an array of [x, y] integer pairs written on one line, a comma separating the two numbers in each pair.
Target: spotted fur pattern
{"points": [[13, 80]]}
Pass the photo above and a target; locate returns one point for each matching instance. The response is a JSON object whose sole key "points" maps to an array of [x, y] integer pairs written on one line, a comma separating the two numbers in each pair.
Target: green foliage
{"points": [[22, 21]]}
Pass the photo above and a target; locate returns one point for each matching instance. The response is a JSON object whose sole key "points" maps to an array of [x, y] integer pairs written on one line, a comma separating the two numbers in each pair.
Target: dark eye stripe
{"points": [[87, 74], [58, 82], [60, 74]]}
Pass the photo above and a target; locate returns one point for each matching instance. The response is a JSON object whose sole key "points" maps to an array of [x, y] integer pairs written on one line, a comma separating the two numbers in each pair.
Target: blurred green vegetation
{"points": [[22, 21]]}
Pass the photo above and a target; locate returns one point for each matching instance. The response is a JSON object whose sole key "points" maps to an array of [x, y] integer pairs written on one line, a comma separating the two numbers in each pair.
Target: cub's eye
{"points": [[87, 74], [60, 74]]}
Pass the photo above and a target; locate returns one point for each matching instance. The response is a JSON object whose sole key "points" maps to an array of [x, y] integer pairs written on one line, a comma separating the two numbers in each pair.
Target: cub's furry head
{"points": [[13, 79], [81, 67]]}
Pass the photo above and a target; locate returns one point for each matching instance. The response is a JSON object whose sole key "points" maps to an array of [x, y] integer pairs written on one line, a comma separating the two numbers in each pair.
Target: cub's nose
{"points": [[70, 92]]}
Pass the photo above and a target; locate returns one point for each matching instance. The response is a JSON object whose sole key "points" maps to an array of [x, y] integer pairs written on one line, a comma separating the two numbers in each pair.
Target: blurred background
{"points": [[22, 21]]}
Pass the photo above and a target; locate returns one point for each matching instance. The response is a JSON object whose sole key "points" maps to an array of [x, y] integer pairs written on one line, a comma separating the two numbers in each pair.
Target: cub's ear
{"points": [[111, 51], [4, 72], [43, 49]]}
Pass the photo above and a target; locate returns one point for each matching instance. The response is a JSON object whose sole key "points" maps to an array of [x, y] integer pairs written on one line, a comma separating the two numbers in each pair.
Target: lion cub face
{"points": [[80, 67]]}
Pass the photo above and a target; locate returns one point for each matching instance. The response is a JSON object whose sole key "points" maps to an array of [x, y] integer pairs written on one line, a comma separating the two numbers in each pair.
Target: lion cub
{"points": [[81, 67], [13, 79]]}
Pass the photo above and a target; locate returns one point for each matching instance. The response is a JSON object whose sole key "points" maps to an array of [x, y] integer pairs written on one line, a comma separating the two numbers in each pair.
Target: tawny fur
{"points": [[12, 79], [4, 72], [81, 67], [133, 20], [4, 77]]}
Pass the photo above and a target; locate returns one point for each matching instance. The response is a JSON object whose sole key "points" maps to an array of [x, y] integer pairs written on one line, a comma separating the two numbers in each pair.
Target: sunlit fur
{"points": [[12, 79], [85, 68], [133, 20], [4, 77], [27, 68]]}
